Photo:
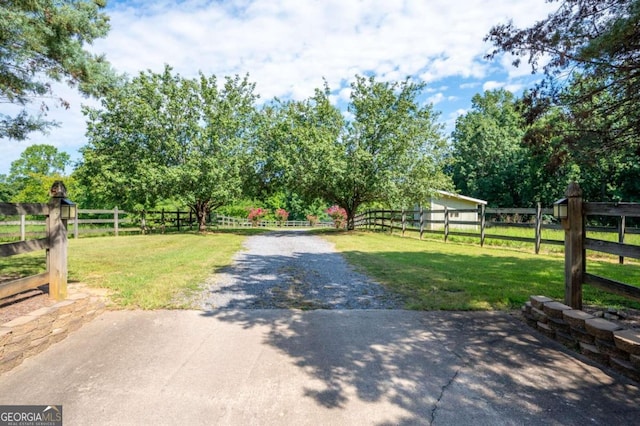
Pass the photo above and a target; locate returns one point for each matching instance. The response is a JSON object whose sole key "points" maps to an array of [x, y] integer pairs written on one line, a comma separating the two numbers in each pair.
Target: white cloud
{"points": [[491, 85], [440, 97], [436, 99], [276, 41]]}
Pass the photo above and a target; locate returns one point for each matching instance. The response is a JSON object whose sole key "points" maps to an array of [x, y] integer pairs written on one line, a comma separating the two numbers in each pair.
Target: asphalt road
{"points": [[322, 367]]}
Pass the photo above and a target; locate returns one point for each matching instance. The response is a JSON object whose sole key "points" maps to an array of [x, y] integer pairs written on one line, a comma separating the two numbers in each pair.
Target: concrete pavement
{"points": [[268, 367]]}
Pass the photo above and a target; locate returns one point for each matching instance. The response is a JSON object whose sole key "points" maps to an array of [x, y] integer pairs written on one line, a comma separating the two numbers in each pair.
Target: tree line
{"points": [[206, 143]]}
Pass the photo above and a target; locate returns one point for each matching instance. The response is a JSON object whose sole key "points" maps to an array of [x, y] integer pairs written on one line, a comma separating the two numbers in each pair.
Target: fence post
{"points": [[404, 221], [621, 229], [390, 221], [116, 221], [538, 227], [574, 252], [23, 228], [446, 223], [178, 218], [76, 230], [421, 221], [483, 224], [57, 251]]}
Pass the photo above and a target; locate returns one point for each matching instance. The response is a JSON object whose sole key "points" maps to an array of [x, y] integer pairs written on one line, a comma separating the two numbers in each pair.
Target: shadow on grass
{"points": [[15, 267], [435, 280], [487, 281]]}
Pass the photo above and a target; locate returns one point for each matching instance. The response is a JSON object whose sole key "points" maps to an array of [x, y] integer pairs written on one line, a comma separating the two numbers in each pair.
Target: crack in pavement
{"points": [[442, 392]]}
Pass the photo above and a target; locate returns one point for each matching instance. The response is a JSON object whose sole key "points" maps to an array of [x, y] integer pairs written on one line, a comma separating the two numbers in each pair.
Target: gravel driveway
{"points": [[293, 269]]}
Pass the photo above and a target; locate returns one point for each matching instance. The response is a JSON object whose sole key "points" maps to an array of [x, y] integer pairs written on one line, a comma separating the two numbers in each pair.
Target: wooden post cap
{"points": [[58, 190], [573, 190]]}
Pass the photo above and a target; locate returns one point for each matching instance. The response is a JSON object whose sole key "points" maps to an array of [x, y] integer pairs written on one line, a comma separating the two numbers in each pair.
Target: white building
{"points": [[453, 202]]}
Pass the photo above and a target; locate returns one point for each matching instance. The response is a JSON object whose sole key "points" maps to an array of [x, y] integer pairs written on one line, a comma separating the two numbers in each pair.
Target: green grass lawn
{"points": [[449, 276], [142, 271], [152, 271], [155, 271], [546, 234]]}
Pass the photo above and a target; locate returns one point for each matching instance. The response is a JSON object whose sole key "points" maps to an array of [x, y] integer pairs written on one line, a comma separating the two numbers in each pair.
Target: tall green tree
{"points": [[390, 151], [589, 51], [47, 38], [39, 159], [163, 137], [33, 173], [555, 159], [6, 190], [488, 158]]}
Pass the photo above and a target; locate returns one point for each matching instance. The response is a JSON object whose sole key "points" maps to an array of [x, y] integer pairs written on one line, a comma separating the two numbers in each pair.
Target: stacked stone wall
{"points": [[31, 334], [599, 339]]}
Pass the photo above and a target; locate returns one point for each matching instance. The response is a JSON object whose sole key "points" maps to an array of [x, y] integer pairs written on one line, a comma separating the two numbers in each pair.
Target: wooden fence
{"points": [[54, 243], [115, 221], [87, 221], [577, 242], [416, 221], [489, 220]]}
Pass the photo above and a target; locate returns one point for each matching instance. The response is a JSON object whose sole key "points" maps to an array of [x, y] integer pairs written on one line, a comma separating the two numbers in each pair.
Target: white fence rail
{"points": [[102, 221]]}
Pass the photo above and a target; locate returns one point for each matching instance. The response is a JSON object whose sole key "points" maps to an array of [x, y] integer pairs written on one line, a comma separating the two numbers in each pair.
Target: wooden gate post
{"points": [[57, 251], [574, 252]]}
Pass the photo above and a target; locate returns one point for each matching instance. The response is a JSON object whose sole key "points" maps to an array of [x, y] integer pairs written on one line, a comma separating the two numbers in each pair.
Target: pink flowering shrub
{"points": [[338, 214], [281, 215], [255, 214]]}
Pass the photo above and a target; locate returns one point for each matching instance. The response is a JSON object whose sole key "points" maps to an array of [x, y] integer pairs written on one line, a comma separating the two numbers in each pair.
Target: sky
{"points": [[289, 46]]}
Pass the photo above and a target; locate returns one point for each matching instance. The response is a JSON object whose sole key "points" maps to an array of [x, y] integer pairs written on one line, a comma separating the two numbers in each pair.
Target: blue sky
{"points": [[289, 46]]}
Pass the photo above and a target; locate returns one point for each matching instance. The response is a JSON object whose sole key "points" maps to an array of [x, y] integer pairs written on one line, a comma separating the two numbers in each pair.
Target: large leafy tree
{"points": [[589, 51], [40, 159], [163, 137], [47, 38], [6, 189], [299, 145], [489, 161], [32, 175], [390, 151]]}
